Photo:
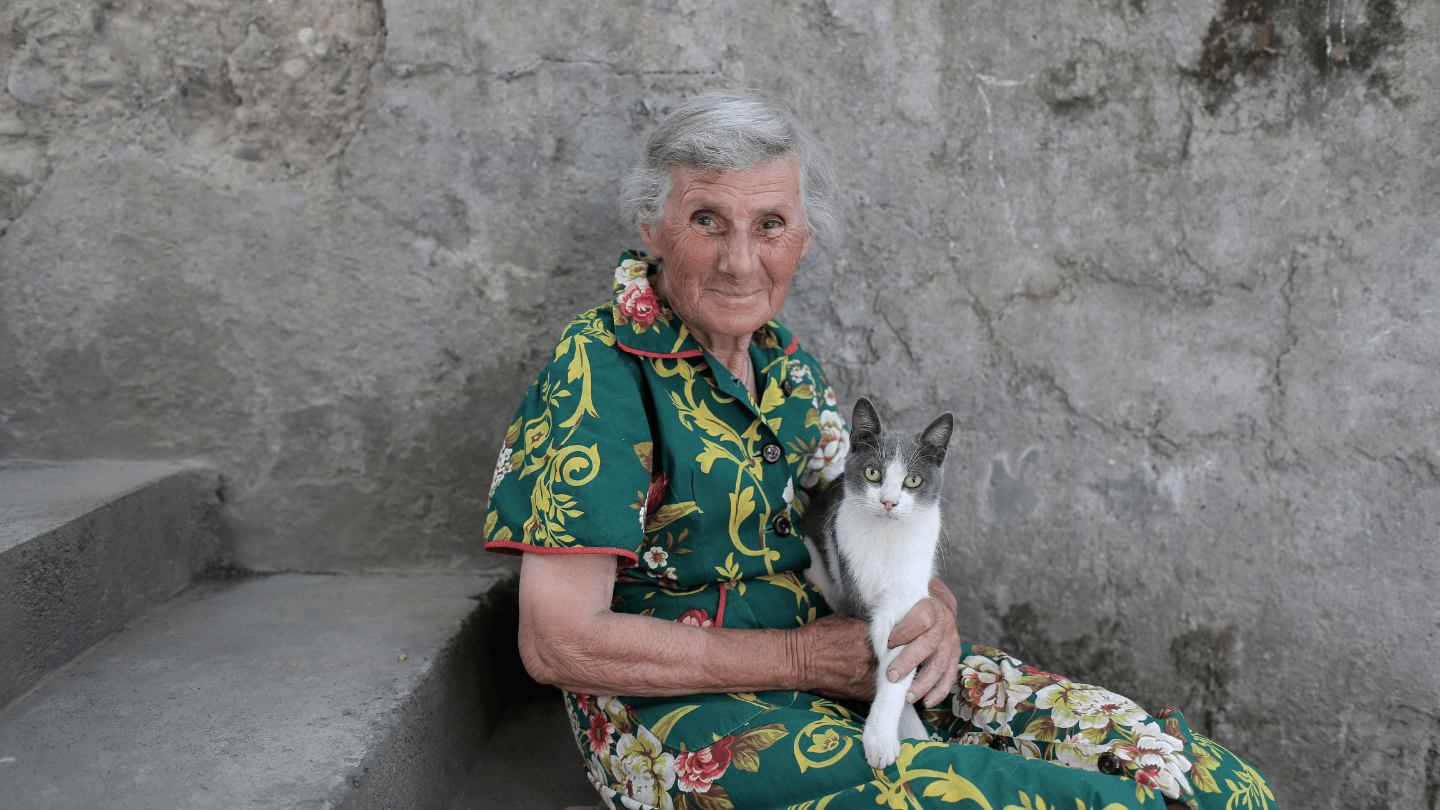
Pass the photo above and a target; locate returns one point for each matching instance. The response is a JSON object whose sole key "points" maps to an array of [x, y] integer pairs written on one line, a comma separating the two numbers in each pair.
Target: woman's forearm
{"points": [[571, 639], [623, 654]]}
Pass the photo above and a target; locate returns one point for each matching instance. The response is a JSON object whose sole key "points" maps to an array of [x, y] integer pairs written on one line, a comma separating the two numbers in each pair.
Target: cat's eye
{"points": [[913, 481], [872, 474]]}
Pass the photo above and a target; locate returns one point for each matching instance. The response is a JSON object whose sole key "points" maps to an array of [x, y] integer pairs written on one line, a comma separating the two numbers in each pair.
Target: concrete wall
{"points": [[1172, 264]]}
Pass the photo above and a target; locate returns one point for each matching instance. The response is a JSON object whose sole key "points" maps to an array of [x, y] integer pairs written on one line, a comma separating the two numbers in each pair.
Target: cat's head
{"points": [[893, 474]]}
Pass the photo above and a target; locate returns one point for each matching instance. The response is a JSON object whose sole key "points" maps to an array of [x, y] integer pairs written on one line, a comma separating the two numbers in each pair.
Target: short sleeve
{"points": [[572, 477]]}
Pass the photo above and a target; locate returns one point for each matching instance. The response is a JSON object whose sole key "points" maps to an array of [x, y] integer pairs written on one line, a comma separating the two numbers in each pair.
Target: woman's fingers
{"points": [[931, 640]]}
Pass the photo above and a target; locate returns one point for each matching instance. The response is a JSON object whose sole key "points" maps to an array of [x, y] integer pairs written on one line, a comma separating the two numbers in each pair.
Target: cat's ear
{"points": [[865, 421], [936, 437]]}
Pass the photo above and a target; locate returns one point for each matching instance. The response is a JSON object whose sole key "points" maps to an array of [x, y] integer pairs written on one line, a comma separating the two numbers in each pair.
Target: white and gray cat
{"points": [[873, 535]]}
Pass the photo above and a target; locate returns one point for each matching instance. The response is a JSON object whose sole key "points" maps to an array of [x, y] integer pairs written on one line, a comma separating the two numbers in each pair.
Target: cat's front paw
{"points": [[881, 749]]}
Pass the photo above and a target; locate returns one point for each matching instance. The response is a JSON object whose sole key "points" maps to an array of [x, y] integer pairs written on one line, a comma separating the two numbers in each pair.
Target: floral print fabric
{"points": [[635, 442], [993, 747]]}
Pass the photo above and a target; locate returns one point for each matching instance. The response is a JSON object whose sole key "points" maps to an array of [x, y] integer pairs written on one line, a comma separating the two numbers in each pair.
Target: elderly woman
{"points": [[653, 474]]}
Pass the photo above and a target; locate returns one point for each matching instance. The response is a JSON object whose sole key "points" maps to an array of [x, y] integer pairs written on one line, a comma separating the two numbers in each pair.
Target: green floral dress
{"points": [[635, 442]]}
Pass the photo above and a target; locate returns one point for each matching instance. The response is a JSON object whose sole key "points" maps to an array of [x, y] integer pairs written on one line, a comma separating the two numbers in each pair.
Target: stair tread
{"points": [[264, 692], [39, 496]]}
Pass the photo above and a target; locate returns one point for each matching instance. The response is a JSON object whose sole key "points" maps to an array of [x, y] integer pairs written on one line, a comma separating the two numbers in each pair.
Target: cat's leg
{"points": [[910, 726], [882, 725]]}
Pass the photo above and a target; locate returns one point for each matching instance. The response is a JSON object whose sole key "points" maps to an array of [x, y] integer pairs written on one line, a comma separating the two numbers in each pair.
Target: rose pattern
{"points": [[639, 304], [696, 617], [696, 771]]}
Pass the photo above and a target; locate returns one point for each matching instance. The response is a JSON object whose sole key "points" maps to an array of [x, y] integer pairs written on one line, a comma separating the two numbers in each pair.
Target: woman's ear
{"points": [[647, 238]]}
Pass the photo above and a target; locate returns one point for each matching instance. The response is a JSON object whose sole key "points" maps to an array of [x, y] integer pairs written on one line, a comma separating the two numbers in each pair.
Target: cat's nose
{"points": [[888, 506]]}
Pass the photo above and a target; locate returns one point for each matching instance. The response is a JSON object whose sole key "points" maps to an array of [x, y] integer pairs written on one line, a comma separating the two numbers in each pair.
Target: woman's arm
{"points": [[570, 638]]}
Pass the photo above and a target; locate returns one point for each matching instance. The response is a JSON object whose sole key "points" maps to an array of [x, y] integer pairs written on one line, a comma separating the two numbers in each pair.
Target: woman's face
{"points": [[730, 241]]}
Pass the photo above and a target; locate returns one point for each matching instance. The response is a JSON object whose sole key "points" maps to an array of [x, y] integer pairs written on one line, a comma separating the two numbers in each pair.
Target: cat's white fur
{"points": [[898, 548]]}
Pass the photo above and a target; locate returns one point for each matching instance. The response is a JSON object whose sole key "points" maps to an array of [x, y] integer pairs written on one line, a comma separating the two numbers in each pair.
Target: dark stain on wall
{"points": [[1250, 39], [1204, 660], [1101, 657]]}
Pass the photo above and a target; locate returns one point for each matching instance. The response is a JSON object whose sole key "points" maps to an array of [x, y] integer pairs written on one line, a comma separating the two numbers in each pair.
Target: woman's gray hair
{"points": [[721, 130]]}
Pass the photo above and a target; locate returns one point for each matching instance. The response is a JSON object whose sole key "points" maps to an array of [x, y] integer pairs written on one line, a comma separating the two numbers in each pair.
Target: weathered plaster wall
{"points": [[1172, 264]]}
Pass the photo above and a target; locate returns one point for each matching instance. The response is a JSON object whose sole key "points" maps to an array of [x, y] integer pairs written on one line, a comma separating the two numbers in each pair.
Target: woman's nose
{"points": [[740, 258]]}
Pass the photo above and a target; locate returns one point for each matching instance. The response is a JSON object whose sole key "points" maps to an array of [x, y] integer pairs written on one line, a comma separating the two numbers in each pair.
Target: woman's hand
{"points": [[933, 641]]}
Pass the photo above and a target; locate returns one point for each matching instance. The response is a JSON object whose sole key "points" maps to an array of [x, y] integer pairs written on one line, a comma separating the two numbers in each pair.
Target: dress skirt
{"points": [[1012, 738]]}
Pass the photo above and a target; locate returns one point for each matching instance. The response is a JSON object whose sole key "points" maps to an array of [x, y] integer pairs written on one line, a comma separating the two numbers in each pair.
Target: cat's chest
{"points": [[888, 557]]}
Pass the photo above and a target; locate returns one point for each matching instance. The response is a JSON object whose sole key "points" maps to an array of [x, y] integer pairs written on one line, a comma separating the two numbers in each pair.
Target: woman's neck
{"points": [[733, 353]]}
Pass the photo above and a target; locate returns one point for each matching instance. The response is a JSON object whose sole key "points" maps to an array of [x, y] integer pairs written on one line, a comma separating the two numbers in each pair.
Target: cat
{"points": [[873, 535]]}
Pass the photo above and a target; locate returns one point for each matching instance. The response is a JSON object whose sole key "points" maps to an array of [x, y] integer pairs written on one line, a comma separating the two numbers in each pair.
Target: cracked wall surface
{"points": [[1172, 265]]}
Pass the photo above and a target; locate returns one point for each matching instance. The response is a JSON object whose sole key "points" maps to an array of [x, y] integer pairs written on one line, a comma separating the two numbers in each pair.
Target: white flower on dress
{"points": [[1072, 704], [990, 691], [502, 466], [1077, 752], [828, 460], [1160, 761], [656, 557], [789, 493], [630, 272], [644, 768], [829, 396]]}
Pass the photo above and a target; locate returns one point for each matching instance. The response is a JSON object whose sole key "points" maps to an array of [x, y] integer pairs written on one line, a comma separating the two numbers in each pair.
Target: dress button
{"points": [[996, 744], [1109, 764], [771, 453], [786, 387], [782, 526]]}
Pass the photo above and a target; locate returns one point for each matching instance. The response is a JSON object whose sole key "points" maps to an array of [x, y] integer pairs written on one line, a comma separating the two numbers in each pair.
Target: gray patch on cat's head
{"points": [[923, 454]]}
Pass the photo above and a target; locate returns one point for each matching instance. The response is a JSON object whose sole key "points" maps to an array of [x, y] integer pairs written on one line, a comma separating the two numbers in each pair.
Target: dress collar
{"points": [[646, 326]]}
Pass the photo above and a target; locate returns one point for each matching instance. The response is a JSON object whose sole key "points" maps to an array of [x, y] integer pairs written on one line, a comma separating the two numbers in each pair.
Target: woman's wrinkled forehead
{"points": [[772, 186]]}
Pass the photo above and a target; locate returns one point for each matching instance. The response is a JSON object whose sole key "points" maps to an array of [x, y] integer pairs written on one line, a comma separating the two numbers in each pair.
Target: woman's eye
{"points": [[771, 224], [913, 481], [872, 474], [704, 220]]}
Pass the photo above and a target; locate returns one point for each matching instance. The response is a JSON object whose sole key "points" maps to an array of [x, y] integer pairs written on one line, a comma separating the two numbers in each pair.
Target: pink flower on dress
{"points": [[638, 303], [696, 771], [696, 618], [600, 734]]}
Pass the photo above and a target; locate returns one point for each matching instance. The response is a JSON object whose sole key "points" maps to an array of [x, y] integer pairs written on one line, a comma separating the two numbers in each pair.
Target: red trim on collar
{"points": [[661, 355], [512, 547], [794, 344], [720, 609]]}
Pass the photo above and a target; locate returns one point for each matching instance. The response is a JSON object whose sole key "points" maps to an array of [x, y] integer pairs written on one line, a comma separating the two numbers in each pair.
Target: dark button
{"points": [[996, 744], [1109, 764], [782, 526], [771, 453], [786, 386]]}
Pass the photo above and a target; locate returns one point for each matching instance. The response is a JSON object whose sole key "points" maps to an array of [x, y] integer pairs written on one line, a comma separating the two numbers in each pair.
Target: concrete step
{"points": [[531, 763], [284, 691], [86, 547]]}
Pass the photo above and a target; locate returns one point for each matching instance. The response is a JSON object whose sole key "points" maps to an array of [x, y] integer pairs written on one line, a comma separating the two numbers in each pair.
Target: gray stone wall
{"points": [[1173, 265]]}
